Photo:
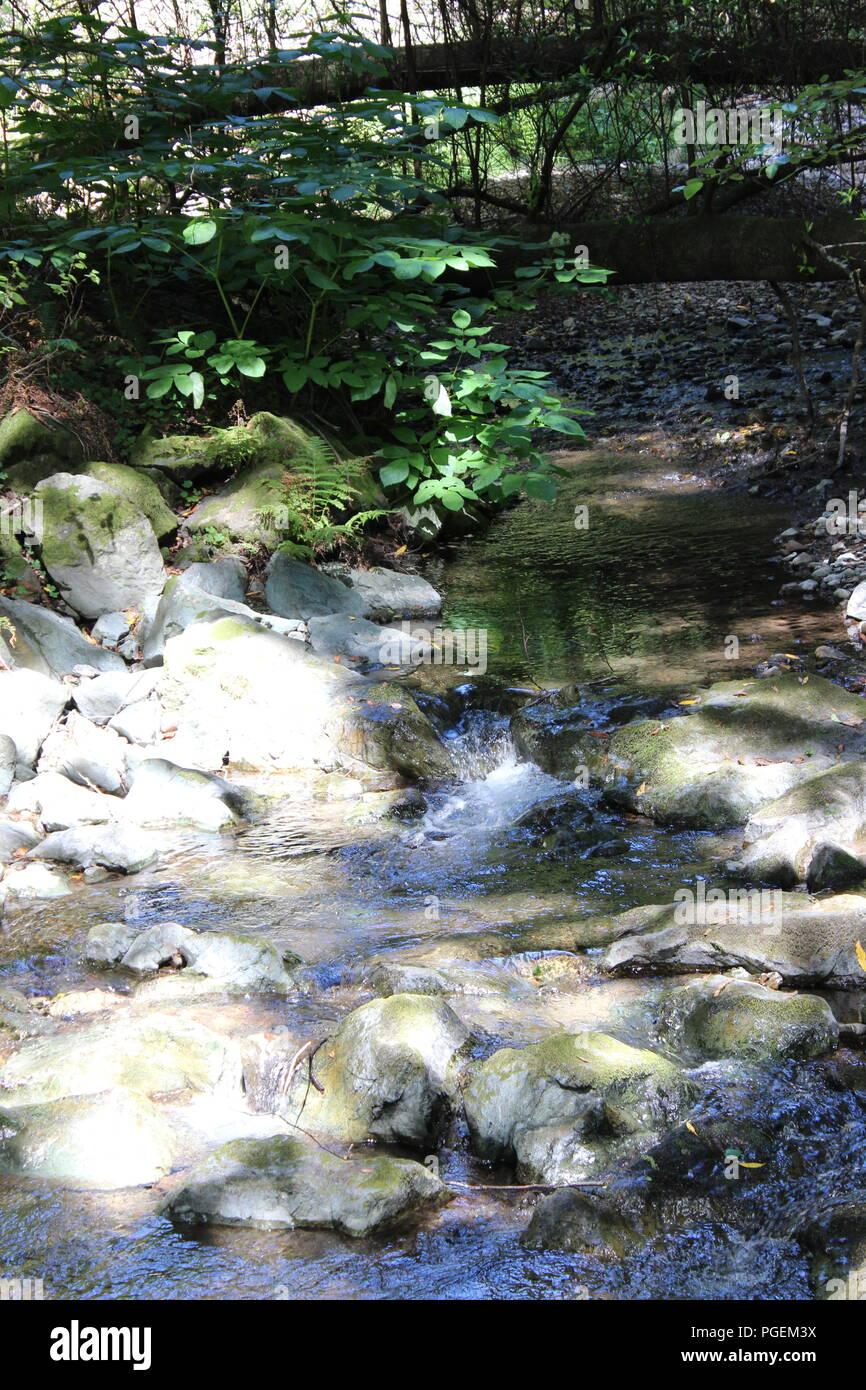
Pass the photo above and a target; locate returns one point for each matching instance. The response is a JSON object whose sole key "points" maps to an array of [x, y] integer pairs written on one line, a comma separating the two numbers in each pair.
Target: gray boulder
{"points": [[573, 1103], [15, 835], [99, 549], [118, 848], [108, 941], [296, 590], [30, 703], [389, 1072], [234, 962], [288, 1183], [51, 644], [202, 593], [27, 882], [32, 447], [721, 1016], [832, 868], [781, 836], [807, 943], [354, 638], [8, 763], [162, 793], [390, 594]]}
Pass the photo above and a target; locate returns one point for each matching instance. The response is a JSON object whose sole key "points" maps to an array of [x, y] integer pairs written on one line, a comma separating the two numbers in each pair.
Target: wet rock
{"points": [[566, 1106], [389, 1072], [288, 1183], [162, 793], [105, 1142], [385, 728], [49, 643], [806, 942], [296, 590], [108, 941], [18, 1017], [235, 962], [99, 549], [120, 848], [389, 594], [30, 703], [446, 978], [724, 1017], [831, 867], [747, 744], [781, 836], [154, 1054], [33, 881]]}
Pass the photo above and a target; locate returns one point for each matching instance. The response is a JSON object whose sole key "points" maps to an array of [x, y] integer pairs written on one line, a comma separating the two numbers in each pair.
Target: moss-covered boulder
{"points": [[741, 745], [782, 837], [389, 1072], [721, 1016], [140, 490], [99, 549], [288, 1183], [575, 1102], [384, 727], [33, 447]]}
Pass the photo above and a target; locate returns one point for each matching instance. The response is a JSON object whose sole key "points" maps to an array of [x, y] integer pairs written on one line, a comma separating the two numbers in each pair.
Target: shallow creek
{"points": [[666, 569]]}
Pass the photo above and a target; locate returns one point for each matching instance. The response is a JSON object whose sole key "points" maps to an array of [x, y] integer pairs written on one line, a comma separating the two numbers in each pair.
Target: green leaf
{"points": [[691, 187], [394, 473], [563, 425], [199, 231]]}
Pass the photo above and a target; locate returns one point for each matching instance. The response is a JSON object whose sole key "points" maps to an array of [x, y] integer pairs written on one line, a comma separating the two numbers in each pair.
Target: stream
{"points": [[638, 601]]}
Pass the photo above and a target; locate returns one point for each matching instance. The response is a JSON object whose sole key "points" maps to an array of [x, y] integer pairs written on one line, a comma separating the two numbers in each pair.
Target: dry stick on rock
{"points": [[796, 351]]}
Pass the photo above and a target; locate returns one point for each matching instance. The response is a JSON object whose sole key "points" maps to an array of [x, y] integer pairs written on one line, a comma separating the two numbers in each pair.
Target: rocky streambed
{"points": [[324, 978]]}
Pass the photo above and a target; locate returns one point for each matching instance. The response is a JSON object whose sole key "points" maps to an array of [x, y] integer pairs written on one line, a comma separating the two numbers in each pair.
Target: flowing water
{"points": [[664, 572]]}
